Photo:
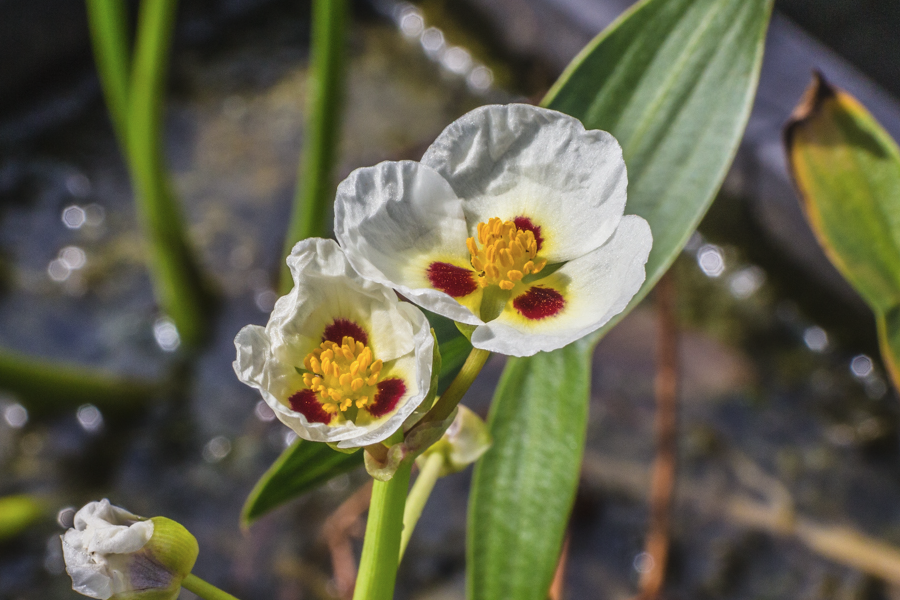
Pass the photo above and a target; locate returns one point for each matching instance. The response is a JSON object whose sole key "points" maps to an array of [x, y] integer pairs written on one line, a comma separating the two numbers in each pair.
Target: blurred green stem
{"points": [[381, 548], [205, 590], [109, 35], [418, 496], [314, 189], [45, 386], [179, 287]]}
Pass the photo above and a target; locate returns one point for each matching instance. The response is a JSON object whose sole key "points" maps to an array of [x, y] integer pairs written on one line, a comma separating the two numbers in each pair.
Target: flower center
{"points": [[507, 253], [342, 375]]}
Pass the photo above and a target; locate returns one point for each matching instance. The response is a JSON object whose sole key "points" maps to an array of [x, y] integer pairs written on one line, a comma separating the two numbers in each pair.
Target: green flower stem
{"points": [[314, 178], [109, 36], [381, 548], [418, 496], [458, 387], [176, 278], [205, 590]]}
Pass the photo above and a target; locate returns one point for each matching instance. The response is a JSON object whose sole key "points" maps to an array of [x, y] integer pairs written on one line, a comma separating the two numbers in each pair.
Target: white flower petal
{"points": [[397, 218], [101, 531], [595, 288], [517, 160], [326, 288]]}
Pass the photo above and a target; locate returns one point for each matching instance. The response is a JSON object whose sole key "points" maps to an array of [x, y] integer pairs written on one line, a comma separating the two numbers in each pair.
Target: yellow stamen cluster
{"points": [[507, 254], [343, 375]]}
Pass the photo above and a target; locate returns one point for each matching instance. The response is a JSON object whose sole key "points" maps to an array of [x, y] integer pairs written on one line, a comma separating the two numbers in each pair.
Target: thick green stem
{"points": [[314, 178], [418, 496], [109, 36], [176, 279], [458, 387], [204, 590], [381, 548]]}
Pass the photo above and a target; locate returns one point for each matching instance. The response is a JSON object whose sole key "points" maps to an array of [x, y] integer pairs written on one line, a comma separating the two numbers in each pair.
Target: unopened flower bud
{"points": [[463, 443], [113, 554]]}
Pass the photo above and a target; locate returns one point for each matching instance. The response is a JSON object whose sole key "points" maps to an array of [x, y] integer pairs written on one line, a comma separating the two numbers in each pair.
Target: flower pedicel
{"points": [[342, 359], [512, 224]]}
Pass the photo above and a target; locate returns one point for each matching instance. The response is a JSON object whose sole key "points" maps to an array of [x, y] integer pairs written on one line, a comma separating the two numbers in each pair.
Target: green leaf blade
{"points": [[301, 468], [524, 486], [674, 82]]}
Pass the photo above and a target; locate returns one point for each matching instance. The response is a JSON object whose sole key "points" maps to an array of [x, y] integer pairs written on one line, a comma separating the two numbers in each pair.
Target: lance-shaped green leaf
{"points": [[524, 486], [46, 387], [303, 467], [847, 169], [674, 81]]}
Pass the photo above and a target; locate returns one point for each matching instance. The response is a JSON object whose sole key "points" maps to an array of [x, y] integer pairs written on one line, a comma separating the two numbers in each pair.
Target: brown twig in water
{"points": [[337, 530], [663, 483], [556, 588]]}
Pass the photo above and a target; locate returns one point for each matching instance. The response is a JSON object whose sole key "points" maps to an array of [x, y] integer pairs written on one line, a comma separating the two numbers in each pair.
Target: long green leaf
{"points": [[674, 81], [524, 486], [315, 188], [46, 387], [109, 36], [177, 281], [302, 467], [847, 169]]}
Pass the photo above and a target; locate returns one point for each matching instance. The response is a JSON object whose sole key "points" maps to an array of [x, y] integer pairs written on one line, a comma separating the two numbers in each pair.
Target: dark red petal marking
{"points": [[539, 303], [450, 279], [389, 393], [525, 224], [342, 327], [307, 404]]}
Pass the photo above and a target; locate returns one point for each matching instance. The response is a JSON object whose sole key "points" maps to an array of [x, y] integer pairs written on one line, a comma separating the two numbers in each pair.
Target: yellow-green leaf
{"points": [[847, 170]]}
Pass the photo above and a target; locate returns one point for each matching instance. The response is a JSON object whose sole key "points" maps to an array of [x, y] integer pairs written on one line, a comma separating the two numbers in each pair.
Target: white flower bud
{"points": [[113, 554]]}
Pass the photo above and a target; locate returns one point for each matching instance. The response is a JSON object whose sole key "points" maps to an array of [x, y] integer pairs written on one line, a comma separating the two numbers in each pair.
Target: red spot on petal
{"points": [[389, 393], [525, 224], [307, 404], [342, 327], [539, 303], [450, 279]]}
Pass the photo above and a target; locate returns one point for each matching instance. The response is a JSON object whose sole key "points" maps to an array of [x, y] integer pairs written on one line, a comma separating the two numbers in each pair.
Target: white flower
{"points": [[341, 359], [511, 223], [111, 553]]}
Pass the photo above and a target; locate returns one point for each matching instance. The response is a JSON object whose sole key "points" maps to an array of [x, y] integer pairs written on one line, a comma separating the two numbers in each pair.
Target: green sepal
{"points": [[417, 440], [465, 329], [428, 402], [334, 446], [157, 569]]}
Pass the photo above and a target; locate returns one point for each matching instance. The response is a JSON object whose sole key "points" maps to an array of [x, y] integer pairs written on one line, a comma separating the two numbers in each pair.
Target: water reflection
{"points": [[166, 334], [15, 415], [90, 418]]}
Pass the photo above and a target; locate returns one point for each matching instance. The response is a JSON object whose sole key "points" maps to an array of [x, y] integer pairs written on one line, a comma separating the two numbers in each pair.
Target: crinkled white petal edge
{"points": [[516, 160], [393, 220], [601, 284], [101, 529], [257, 366]]}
